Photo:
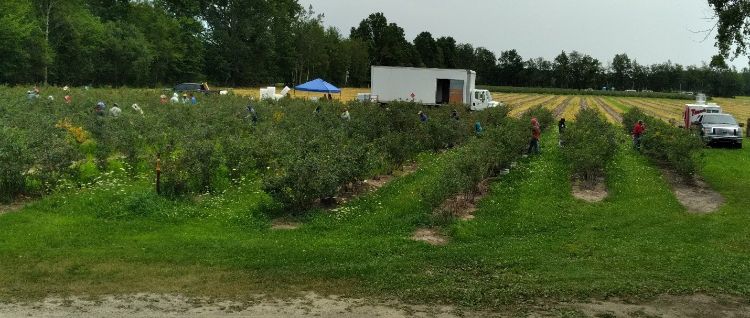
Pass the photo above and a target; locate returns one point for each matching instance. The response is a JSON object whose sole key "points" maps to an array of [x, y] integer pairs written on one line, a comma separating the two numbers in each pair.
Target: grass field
{"points": [[662, 108], [659, 107], [530, 240]]}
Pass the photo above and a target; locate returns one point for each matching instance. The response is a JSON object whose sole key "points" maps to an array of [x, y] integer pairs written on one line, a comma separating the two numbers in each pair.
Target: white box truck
{"points": [[700, 107], [429, 86]]}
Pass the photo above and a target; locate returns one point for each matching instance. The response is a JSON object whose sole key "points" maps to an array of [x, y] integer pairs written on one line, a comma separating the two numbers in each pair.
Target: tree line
{"points": [[262, 42]]}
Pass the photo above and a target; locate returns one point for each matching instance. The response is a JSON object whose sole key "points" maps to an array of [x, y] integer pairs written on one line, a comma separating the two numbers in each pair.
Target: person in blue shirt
{"points": [[423, 117], [478, 128], [100, 108]]}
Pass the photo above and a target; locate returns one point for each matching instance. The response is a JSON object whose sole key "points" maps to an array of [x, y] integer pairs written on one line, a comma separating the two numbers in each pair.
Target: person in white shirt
{"points": [[137, 108], [175, 99], [115, 111], [345, 115]]}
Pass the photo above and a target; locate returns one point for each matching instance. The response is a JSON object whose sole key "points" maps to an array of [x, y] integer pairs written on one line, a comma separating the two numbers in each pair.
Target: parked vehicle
{"points": [[694, 111], [196, 87], [719, 128], [429, 86]]}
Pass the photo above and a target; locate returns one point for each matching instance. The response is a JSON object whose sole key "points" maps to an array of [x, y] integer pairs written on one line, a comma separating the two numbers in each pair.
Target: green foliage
{"points": [[589, 144], [160, 43], [544, 116], [87, 170], [321, 153], [676, 148], [732, 27], [529, 234], [14, 158], [21, 41], [300, 156]]}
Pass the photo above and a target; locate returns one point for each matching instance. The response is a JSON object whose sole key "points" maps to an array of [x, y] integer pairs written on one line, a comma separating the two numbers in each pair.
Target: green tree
{"points": [[732, 27], [584, 69], [466, 57], [486, 66], [622, 69], [428, 50], [357, 52], [386, 41], [510, 66], [448, 51], [78, 46], [311, 58], [20, 37], [561, 71]]}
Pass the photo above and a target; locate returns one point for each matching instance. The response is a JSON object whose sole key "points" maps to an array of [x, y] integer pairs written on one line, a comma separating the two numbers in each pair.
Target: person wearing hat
{"points": [[33, 94], [423, 117], [345, 115], [163, 99], [115, 111], [478, 128], [100, 108], [184, 98], [454, 115]]}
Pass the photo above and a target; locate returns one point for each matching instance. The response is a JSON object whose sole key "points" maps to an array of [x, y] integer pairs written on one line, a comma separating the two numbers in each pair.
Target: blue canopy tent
{"points": [[318, 86]]}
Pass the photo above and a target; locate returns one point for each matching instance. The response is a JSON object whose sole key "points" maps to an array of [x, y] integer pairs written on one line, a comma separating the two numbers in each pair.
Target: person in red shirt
{"points": [[638, 132], [536, 133]]}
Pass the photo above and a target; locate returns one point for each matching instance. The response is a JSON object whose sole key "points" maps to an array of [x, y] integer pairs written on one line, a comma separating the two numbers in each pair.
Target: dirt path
{"points": [[560, 109], [12, 207], [615, 115], [157, 305], [531, 99], [584, 103], [697, 197], [313, 305]]}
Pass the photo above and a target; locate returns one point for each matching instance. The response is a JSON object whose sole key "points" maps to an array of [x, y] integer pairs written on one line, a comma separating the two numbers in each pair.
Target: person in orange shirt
{"points": [[536, 133], [638, 132]]}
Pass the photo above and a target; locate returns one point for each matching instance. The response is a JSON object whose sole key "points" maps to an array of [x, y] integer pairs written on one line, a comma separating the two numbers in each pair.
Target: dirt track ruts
{"points": [[608, 109], [560, 109]]}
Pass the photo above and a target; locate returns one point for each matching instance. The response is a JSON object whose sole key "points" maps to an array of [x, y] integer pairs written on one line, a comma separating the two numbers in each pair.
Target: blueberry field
{"points": [[292, 197]]}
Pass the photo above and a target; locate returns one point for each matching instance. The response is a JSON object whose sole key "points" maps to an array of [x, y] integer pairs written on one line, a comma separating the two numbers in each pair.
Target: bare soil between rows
{"points": [[697, 196], [14, 206], [314, 305], [591, 192]]}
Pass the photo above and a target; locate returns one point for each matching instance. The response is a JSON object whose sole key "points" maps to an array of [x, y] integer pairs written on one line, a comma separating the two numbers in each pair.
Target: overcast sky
{"points": [[651, 31]]}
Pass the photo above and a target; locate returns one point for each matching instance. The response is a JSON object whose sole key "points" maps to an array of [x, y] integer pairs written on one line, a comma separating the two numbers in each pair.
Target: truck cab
{"points": [[719, 128], [481, 99]]}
